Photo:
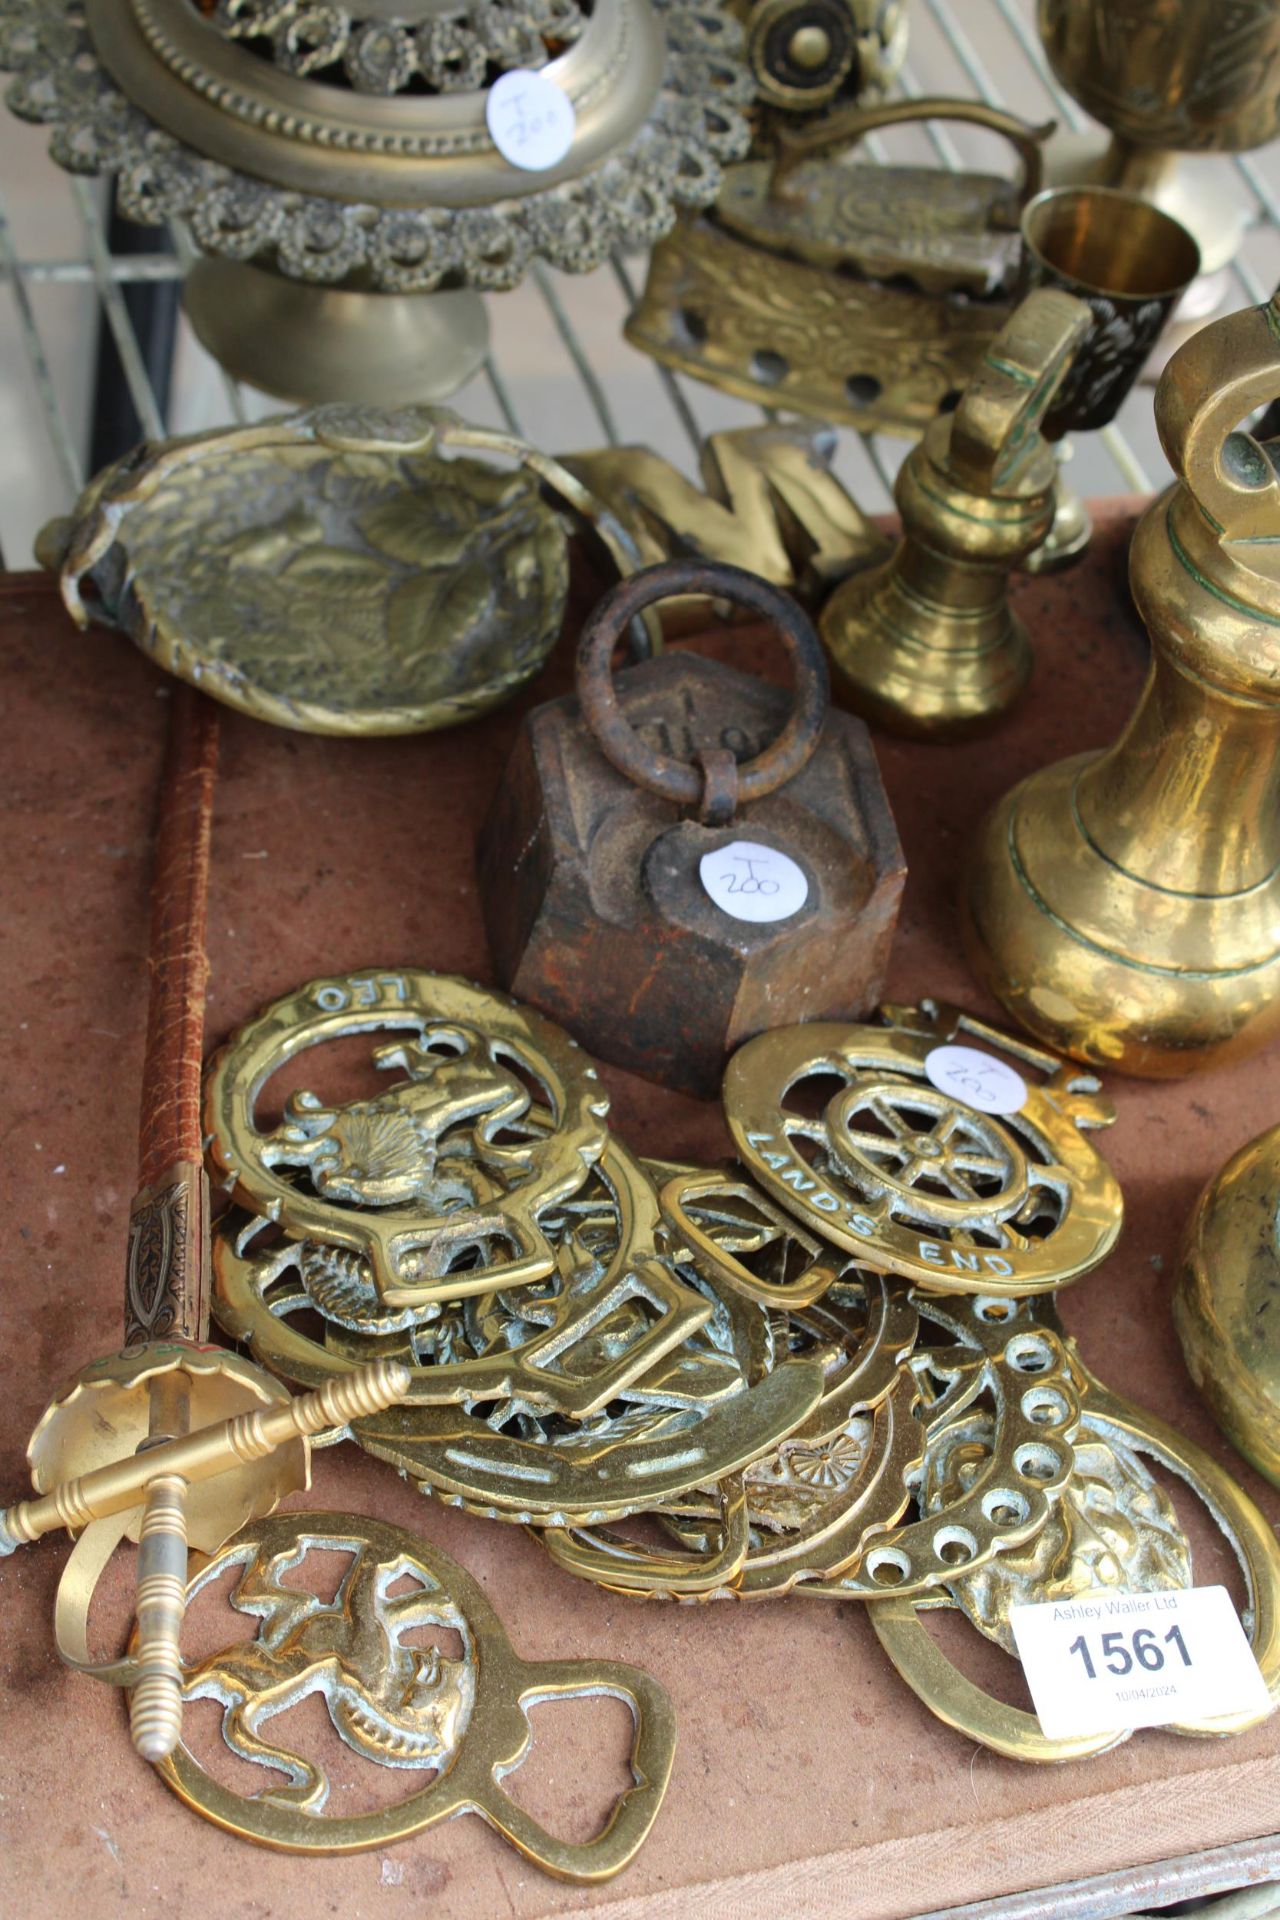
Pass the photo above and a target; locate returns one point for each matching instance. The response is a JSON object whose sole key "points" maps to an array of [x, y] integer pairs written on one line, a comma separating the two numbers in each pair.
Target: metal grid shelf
{"points": [[559, 373]]}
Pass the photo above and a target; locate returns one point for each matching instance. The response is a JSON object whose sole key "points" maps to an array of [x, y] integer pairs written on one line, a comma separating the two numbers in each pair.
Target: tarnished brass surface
{"points": [[1186, 77], [804, 1508], [420, 1179], [1124, 906], [609, 1312], [858, 297], [711, 1407], [222, 555], [1226, 1306], [926, 644], [768, 502], [807, 55], [337, 152], [459, 1719], [1116, 1424], [911, 1180], [944, 231]]}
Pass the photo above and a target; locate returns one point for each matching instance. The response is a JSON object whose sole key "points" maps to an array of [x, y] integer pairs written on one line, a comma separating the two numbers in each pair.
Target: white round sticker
{"points": [[976, 1079], [530, 120], [753, 882]]}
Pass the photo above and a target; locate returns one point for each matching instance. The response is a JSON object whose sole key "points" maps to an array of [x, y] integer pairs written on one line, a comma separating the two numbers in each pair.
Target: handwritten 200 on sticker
{"points": [[1108, 1662]]}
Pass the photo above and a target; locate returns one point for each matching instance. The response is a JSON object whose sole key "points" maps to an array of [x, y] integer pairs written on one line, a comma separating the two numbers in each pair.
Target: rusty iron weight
{"points": [[686, 854]]}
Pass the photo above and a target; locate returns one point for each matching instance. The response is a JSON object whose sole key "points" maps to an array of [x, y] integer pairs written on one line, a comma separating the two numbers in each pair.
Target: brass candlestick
{"points": [[1125, 906], [927, 644]]}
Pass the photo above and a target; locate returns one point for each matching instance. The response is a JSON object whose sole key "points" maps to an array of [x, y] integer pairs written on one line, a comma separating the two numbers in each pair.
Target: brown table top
{"points": [[808, 1780]]}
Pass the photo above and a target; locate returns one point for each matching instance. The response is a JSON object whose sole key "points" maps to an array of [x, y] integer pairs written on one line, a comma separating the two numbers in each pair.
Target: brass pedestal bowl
{"points": [[347, 171]]}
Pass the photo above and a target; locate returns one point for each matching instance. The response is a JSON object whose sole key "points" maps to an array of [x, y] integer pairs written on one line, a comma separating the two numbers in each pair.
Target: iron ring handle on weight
{"points": [[715, 784]]}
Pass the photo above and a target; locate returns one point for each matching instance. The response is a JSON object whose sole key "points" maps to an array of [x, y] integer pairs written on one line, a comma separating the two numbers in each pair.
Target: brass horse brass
{"points": [[1107, 1419], [412, 1180], [911, 1179], [457, 1723], [610, 1312]]}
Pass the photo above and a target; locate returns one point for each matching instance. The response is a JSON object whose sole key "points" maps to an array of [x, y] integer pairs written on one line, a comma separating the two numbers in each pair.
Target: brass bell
{"points": [[1125, 906], [927, 643]]}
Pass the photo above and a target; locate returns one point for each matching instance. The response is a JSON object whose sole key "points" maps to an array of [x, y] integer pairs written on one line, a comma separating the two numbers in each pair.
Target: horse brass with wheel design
{"points": [[911, 1178], [452, 1716]]}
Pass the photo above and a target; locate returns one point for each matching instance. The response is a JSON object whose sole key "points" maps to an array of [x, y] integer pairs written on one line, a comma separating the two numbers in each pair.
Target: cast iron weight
{"points": [[684, 856]]}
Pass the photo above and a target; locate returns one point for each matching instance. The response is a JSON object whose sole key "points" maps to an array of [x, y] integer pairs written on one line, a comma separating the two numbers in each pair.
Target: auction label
{"points": [[1110, 1662], [976, 1079], [530, 120], [753, 882]]}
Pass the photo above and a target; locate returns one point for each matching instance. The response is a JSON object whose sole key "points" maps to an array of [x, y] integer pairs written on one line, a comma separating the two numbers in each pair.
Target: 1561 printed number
{"points": [[1120, 1652]]}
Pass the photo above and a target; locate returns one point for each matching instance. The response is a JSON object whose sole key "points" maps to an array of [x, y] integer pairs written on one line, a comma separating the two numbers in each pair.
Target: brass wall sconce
{"points": [[1125, 906], [926, 644], [339, 174]]}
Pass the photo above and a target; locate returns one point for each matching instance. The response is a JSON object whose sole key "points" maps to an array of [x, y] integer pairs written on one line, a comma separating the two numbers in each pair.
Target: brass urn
{"points": [[342, 171]]}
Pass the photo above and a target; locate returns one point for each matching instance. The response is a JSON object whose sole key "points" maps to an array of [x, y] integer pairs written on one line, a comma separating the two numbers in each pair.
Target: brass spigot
{"points": [[927, 644], [1125, 906]]}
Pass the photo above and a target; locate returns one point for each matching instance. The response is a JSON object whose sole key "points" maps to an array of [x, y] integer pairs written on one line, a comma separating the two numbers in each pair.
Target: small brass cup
{"points": [[1130, 263]]}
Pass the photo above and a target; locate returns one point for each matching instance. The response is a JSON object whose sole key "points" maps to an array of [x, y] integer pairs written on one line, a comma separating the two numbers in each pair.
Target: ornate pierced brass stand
{"points": [[339, 170]]}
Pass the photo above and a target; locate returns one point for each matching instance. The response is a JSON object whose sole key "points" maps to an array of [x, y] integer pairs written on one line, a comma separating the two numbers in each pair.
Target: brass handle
{"points": [[998, 419], [155, 1705], [1210, 385], [204, 1454], [848, 125]]}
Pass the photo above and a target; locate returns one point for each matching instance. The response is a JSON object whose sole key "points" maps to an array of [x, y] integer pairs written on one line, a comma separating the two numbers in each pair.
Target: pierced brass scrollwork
{"points": [[449, 1164], [911, 1179], [454, 1722], [609, 1312], [1137, 1548]]}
